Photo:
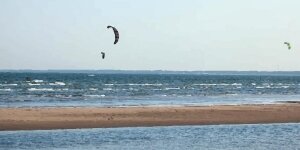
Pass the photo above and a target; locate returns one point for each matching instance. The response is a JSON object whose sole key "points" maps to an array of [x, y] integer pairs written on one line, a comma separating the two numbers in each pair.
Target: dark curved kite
{"points": [[103, 55], [116, 34], [288, 44]]}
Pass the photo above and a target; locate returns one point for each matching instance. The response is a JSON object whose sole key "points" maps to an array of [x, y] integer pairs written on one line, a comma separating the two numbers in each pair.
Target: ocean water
{"points": [[98, 89], [57, 89], [225, 137]]}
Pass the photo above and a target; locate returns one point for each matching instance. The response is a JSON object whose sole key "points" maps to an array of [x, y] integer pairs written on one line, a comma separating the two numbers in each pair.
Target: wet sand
{"points": [[92, 117]]}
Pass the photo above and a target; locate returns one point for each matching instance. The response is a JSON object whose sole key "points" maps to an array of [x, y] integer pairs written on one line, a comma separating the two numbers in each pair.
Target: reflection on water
{"points": [[266, 136]]}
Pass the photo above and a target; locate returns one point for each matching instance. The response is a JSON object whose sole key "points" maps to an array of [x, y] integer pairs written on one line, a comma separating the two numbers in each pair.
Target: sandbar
{"points": [[97, 117]]}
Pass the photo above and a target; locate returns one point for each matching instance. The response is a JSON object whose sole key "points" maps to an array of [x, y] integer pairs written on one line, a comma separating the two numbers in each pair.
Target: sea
{"points": [[109, 88], [213, 137], [152, 88]]}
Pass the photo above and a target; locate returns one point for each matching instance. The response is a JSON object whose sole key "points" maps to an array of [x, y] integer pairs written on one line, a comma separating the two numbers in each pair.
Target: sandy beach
{"points": [[89, 117]]}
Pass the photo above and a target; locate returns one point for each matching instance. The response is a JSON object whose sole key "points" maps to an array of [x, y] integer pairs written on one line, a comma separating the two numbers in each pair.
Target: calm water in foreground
{"points": [[263, 136]]}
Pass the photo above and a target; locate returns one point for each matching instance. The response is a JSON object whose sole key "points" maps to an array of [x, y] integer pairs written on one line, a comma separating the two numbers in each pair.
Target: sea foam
{"points": [[40, 89], [57, 83]]}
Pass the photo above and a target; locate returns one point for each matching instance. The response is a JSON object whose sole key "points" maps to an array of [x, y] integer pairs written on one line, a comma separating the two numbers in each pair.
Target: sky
{"points": [[190, 35]]}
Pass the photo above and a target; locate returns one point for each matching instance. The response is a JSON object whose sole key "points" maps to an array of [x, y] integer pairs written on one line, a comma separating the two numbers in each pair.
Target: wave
{"points": [[289, 84], [34, 84], [150, 84], [41, 89], [231, 94], [58, 83], [260, 87], [273, 87], [223, 84], [206, 84], [109, 84], [107, 89], [217, 84], [93, 89], [280, 87], [102, 95], [237, 84], [13, 84], [5, 89], [136, 84], [156, 89], [170, 88], [37, 81]]}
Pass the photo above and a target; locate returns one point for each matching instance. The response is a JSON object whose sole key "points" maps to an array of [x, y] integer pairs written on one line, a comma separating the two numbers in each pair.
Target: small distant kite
{"points": [[288, 45], [116, 34], [103, 55]]}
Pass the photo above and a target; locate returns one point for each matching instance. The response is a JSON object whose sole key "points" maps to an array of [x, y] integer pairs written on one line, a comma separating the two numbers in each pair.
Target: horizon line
{"points": [[150, 70]]}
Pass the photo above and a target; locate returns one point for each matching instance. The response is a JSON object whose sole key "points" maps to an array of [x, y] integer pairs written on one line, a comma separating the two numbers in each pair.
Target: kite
{"points": [[116, 34], [103, 55], [288, 44]]}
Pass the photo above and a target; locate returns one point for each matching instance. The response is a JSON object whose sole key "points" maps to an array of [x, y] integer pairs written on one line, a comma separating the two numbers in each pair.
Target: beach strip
{"points": [[93, 117]]}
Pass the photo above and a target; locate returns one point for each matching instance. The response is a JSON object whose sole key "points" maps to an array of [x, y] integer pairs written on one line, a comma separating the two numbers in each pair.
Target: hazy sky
{"points": [[154, 34]]}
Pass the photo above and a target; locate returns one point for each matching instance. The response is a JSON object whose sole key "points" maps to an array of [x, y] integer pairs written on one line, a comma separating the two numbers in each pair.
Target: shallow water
{"points": [[259, 136], [102, 90]]}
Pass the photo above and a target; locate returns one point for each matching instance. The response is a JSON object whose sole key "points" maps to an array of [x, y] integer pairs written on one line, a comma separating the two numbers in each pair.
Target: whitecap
{"points": [[285, 87], [102, 95], [41, 89], [224, 84], [150, 84], [91, 75], [13, 84], [206, 84], [140, 84], [107, 89], [177, 88], [237, 84], [60, 83], [93, 89], [133, 84], [109, 84], [131, 89], [260, 87], [37, 81], [5, 89], [156, 89], [232, 94], [57, 83], [34, 84], [276, 87]]}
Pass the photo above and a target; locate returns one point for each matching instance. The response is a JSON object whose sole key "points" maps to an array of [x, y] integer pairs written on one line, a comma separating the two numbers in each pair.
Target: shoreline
{"points": [[154, 105], [105, 117]]}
